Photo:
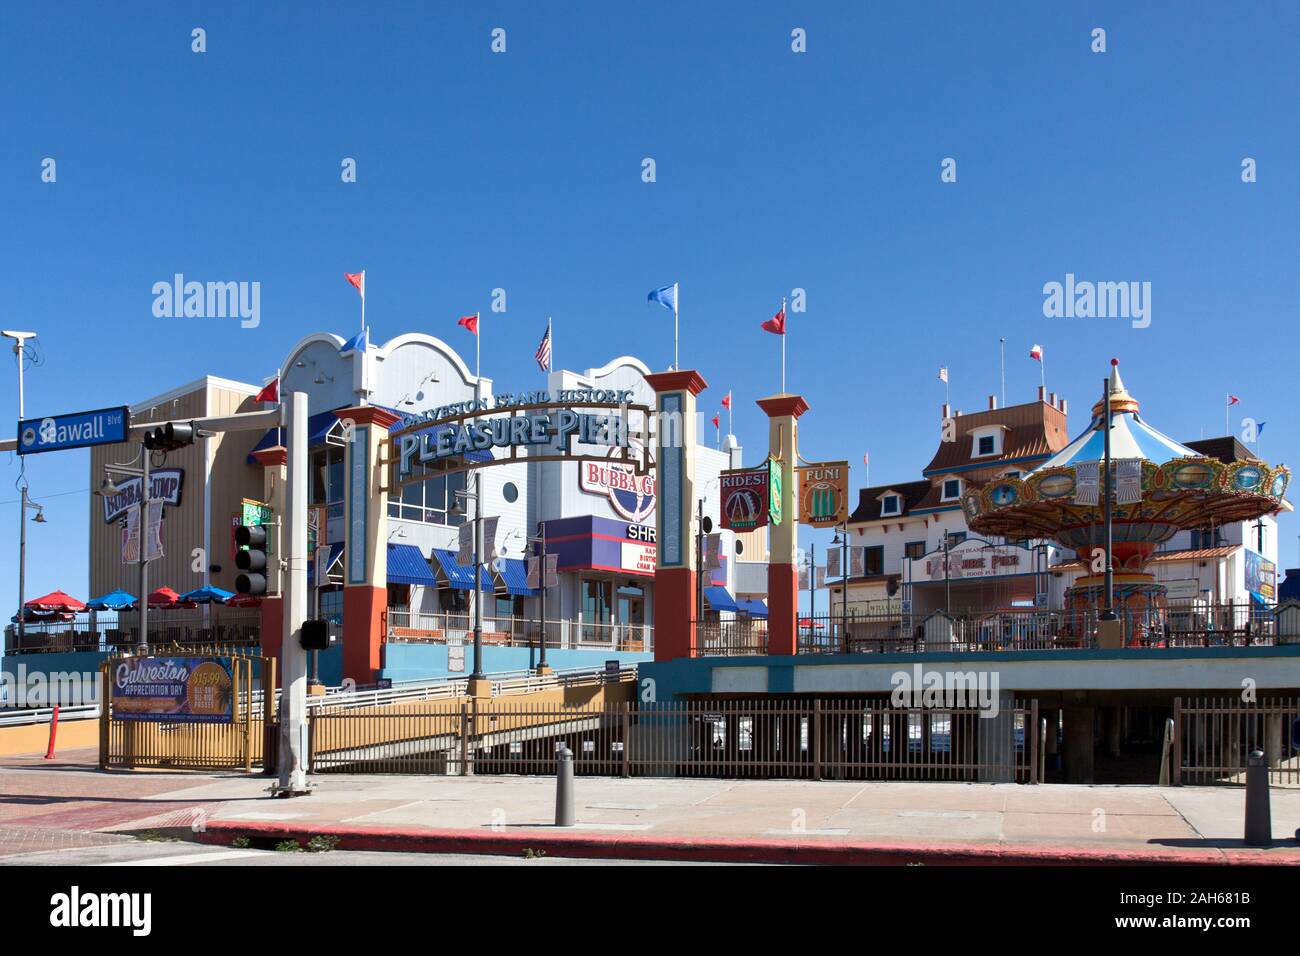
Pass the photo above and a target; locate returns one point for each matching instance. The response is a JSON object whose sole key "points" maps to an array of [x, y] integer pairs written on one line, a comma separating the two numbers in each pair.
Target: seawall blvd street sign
{"points": [[103, 426]]}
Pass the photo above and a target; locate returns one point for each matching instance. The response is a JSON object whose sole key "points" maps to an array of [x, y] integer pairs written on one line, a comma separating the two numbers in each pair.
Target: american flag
{"points": [[543, 353]]}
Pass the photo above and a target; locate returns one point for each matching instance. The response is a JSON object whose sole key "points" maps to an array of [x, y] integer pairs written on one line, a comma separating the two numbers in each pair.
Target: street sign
{"points": [[104, 426]]}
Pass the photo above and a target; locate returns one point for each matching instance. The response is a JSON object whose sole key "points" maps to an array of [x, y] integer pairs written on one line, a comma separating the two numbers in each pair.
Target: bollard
{"points": [[564, 787], [54, 730], [1259, 821]]}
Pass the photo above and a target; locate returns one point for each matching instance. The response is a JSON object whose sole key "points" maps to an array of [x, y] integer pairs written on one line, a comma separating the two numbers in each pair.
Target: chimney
{"points": [[1051, 399], [993, 403], [1042, 393], [957, 415], [947, 411], [1064, 411]]}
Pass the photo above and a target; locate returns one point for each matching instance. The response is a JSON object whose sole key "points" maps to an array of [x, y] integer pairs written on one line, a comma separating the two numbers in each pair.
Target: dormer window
{"points": [[890, 505], [986, 442], [952, 489]]}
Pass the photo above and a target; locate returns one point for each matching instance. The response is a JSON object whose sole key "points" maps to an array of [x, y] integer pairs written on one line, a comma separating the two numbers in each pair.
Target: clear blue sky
{"points": [[775, 171]]}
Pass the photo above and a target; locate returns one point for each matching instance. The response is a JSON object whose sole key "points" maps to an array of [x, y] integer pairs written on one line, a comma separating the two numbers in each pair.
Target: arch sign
{"points": [[496, 435]]}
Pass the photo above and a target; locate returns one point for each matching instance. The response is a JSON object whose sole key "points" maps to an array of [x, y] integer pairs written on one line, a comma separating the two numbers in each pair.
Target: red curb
{"points": [[731, 849]]}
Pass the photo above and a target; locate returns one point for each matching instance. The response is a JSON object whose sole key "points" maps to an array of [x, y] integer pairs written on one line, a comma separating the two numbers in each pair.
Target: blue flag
{"points": [[359, 342], [667, 297], [1259, 429]]}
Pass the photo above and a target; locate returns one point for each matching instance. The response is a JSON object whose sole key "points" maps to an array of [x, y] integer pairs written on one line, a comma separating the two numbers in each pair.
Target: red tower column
{"points": [[783, 413], [675, 581], [365, 553]]}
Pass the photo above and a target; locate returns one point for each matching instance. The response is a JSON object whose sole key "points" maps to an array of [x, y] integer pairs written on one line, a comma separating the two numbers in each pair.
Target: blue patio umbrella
{"points": [[117, 600], [205, 595]]}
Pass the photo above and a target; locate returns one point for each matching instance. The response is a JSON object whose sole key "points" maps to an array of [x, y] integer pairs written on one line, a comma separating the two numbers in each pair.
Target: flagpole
{"points": [[363, 299], [1226, 405], [783, 318], [478, 341], [676, 361], [1002, 349]]}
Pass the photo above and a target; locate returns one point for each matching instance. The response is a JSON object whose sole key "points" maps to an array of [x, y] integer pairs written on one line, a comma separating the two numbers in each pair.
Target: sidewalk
{"points": [[684, 819]]}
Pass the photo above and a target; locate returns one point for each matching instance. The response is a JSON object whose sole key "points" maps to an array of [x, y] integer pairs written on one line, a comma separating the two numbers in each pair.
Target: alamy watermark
{"points": [[208, 300], [1102, 300], [960, 690], [31, 689]]}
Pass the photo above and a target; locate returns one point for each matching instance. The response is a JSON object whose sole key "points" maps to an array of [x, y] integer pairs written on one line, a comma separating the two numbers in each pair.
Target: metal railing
{"points": [[405, 625], [810, 740], [504, 683], [730, 638], [1213, 737], [227, 627]]}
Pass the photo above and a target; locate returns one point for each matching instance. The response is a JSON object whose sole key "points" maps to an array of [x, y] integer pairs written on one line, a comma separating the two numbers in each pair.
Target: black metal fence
{"points": [[809, 740], [1213, 737]]}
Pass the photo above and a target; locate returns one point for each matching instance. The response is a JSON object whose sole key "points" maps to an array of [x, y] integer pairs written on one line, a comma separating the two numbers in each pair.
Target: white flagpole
{"points": [[783, 319], [730, 401], [478, 341], [1227, 403], [1042, 372], [363, 299], [676, 293], [551, 336], [1002, 351]]}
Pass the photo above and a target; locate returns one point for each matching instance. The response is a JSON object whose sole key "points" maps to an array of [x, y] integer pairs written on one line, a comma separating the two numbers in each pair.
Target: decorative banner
{"points": [[821, 577], [774, 486], [1128, 481], [1261, 575], [1086, 483], [803, 577], [857, 562], [712, 551], [173, 690], [833, 562], [164, 485], [534, 565], [746, 497], [131, 534], [824, 494]]}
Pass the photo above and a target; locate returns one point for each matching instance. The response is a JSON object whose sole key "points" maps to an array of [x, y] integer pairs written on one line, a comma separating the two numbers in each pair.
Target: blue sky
{"points": [[775, 170]]}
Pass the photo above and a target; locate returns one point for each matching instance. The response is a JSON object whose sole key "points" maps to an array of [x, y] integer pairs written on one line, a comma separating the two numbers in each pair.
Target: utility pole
{"points": [[478, 581], [844, 595], [541, 590], [1108, 607], [294, 749]]}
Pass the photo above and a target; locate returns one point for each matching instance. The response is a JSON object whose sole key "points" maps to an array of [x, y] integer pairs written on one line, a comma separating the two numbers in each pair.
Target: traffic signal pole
{"points": [[293, 657]]}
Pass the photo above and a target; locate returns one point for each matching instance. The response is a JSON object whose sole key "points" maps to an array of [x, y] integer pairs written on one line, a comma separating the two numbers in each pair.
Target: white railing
{"points": [[438, 627], [43, 715], [504, 684]]}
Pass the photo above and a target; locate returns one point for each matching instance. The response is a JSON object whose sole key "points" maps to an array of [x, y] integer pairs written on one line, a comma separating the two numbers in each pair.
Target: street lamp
{"points": [[842, 539], [20, 343], [108, 488], [542, 581], [22, 558], [458, 508]]}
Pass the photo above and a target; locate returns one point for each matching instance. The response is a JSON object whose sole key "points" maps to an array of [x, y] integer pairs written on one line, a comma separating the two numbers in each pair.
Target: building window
{"points": [[596, 602], [873, 559], [1206, 539], [986, 445], [331, 604], [951, 489], [889, 505], [429, 501], [955, 538], [327, 487], [914, 549]]}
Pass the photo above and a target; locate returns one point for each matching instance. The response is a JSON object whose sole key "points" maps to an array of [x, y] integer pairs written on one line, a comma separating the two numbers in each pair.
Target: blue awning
{"points": [[752, 607], [318, 427], [336, 550], [406, 565], [720, 599], [460, 576], [514, 574]]}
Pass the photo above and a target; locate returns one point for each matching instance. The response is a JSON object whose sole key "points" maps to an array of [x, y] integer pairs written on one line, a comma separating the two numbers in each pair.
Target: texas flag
{"points": [[776, 324], [1036, 353], [358, 279], [470, 322], [716, 423], [726, 400], [1233, 400]]}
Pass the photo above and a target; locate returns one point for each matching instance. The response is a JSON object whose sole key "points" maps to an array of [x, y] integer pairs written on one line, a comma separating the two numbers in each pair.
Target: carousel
{"points": [[1157, 487]]}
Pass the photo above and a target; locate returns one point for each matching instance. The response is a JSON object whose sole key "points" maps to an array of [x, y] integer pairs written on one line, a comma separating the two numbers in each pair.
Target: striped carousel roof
{"points": [[1130, 436]]}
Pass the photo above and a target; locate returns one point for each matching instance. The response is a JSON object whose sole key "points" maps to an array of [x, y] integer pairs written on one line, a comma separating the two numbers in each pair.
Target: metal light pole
{"points": [[20, 339], [541, 590], [844, 596], [109, 488], [1108, 612]]}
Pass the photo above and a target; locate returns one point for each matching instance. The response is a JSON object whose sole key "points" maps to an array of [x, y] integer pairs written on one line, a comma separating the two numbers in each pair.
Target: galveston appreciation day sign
{"points": [[173, 689]]}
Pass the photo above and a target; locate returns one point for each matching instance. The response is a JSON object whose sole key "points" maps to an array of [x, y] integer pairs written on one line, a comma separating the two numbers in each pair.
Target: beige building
{"points": [[203, 484]]}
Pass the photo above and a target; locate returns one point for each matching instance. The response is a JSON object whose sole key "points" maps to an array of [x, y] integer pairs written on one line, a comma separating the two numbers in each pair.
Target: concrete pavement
{"points": [[653, 818]]}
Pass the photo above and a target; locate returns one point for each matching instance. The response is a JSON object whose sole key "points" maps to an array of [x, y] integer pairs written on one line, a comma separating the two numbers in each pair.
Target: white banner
{"points": [[1128, 481], [1085, 483]]}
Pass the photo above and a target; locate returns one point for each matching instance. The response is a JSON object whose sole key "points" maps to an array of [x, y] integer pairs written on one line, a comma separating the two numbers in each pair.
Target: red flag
{"points": [[726, 400], [715, 422], [1233, 400], [358, 279], [776, 324], [270, 392], [470, 322]]}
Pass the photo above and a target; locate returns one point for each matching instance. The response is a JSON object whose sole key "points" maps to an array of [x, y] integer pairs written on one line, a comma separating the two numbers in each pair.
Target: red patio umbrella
{"points": [[55, 602], [244, 600], [163, 598]]}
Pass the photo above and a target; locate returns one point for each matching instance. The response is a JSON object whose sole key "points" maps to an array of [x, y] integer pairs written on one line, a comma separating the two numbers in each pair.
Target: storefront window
{"points": [[331, 604], [596, 602], [327, 479], [428, 501]]}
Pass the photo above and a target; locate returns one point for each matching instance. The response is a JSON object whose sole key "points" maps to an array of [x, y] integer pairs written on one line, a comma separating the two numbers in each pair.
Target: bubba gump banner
{"points": [[173, 689], [745, 498], [824, 493]]}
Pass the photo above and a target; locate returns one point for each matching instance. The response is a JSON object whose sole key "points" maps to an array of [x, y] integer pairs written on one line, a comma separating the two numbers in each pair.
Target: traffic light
{"points": [[170, 437], [315, 635], [251, 559]]}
